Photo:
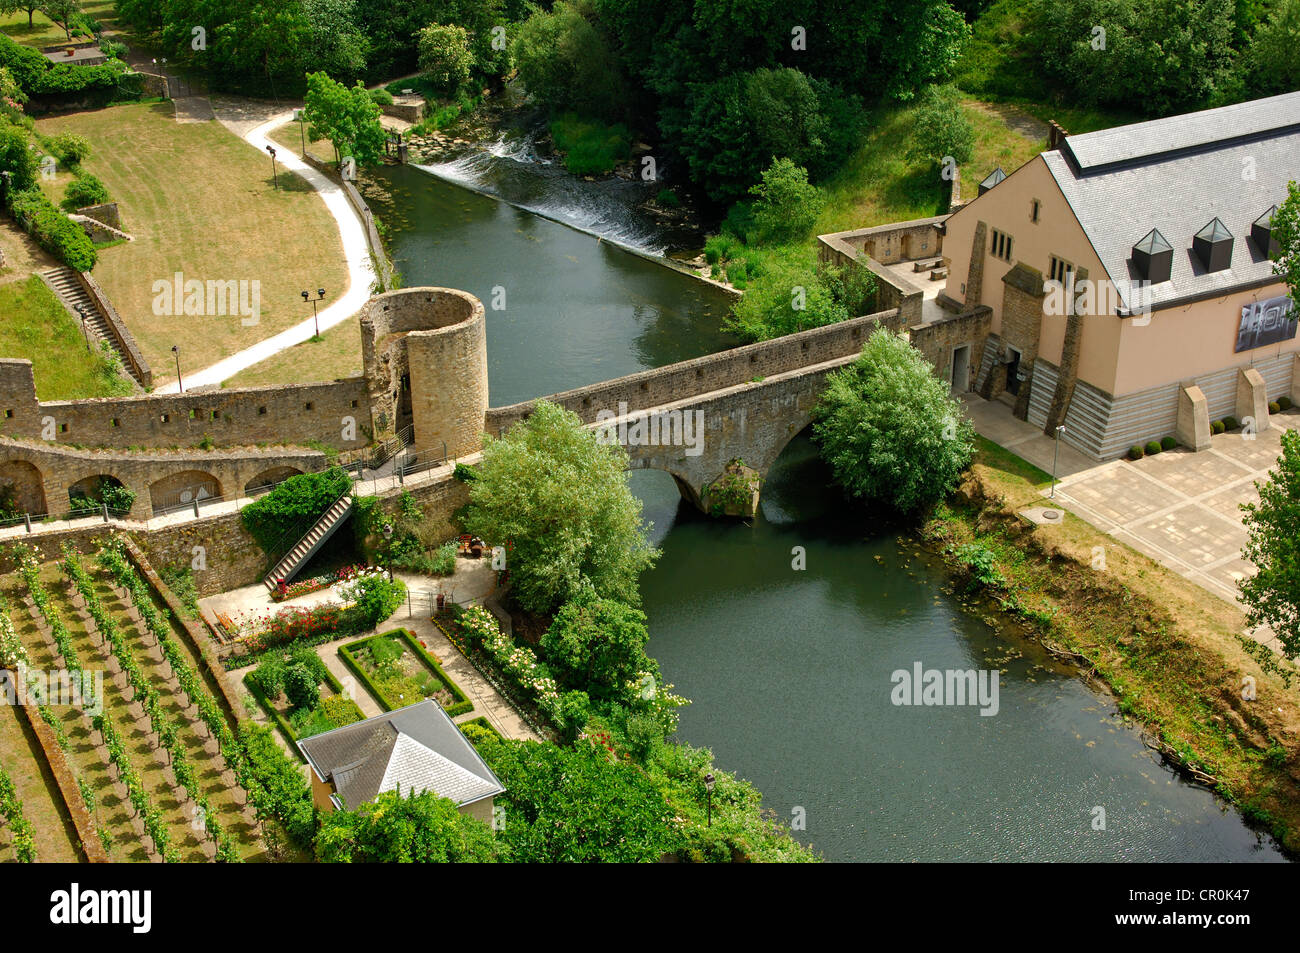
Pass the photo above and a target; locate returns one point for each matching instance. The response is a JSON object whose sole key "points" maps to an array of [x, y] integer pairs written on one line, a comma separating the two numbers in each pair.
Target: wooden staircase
{"points": [[67, 285], [311, 541]]}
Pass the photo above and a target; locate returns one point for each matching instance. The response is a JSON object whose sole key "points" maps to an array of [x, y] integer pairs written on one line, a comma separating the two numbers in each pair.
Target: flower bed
{"points": [[302, 587], [393, 687], [330, 714]]}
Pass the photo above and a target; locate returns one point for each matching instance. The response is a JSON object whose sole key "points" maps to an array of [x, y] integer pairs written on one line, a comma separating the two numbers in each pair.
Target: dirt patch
{"points": [[1014, 118]]}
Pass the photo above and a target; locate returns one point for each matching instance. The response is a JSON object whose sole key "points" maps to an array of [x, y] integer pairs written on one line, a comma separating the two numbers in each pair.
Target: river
{"points": [[789, 670]]}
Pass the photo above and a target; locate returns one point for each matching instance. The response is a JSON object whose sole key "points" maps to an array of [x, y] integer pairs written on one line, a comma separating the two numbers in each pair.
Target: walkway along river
{"points": [[790, 669]]}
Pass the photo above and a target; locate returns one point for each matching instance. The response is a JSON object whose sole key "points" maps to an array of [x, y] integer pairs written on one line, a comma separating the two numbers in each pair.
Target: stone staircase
{"points": [[313, 540], [65, 283]]}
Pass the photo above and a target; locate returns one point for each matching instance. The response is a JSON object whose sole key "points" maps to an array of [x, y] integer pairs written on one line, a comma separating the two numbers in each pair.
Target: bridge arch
{"points": [[184, 488], [98, 488]]}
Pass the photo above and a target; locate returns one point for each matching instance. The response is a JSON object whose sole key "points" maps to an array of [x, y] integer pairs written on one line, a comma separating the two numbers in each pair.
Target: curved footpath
{"points": [[361, 272]]}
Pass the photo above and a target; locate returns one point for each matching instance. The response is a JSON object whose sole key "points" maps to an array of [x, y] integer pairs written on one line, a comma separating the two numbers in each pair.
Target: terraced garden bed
{"points": [[399, 671]]}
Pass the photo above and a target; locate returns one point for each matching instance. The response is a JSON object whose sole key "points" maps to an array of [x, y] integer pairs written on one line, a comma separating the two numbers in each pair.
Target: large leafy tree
{"points": [[566, 61], [338, 46], [415, 829], [445, 57], [17, 158], [1272, 595], [1272, 60], [347, 117], [560, 497], [889, 429], [65, 13], [1286, 230], [579, 805], [598, 646]]}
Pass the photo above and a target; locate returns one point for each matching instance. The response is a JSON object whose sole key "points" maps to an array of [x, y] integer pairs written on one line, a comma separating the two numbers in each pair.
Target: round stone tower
{"points": [[425, 357]]}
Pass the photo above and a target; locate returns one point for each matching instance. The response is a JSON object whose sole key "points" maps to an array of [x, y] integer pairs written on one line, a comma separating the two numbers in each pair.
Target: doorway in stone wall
{"points": [[960, 369], [1013, 372]]}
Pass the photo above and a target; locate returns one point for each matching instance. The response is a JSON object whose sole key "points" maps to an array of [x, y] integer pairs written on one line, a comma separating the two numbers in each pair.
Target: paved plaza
{"points": [[1179, 507]]}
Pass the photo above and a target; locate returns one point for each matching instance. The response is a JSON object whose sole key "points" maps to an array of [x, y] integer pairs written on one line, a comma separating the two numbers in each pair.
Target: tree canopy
{"points": [[1272, 595], [413, 829]]}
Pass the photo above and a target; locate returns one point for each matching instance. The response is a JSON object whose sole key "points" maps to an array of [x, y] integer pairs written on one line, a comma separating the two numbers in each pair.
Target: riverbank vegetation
{"points": [[1213, 701]]}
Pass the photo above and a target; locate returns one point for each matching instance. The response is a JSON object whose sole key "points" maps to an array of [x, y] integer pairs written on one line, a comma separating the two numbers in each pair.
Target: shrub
{"points": [[1168, 443], [71, 149], [268, 677], [301, 686], [381, 97], [376, 598], [1284, 402], [275, 785], [465, 473], [444, 560], [590, 147], [889, 428], [1274, 407], [718, 248], [786, 206], [84, 190], [1230, 423], [668, 198], [1217, 427], [340, 710], [942, 129], [1153, 448], [1135, 452], [978, 560], [293, 505]]}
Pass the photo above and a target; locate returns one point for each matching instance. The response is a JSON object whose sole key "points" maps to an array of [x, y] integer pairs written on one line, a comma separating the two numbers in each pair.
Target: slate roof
{"points": [[1177, 175], [413, 749]]}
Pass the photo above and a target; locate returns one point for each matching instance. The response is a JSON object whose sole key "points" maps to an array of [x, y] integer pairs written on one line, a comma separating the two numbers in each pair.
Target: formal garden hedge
{"points": [[351, 655], [326, 714]]}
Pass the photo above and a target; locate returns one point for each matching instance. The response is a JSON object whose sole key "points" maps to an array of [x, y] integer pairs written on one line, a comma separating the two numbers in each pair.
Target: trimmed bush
{"points": [[1284, 402], [84, 190], [1274, 407], [1135, 452], [1153, 448], [1217, 427], [1168, 443], [1230, 423], [381, 97], [53, 230]]}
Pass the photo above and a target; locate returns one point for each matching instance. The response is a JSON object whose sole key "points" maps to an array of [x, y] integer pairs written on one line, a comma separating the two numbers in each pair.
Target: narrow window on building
{"points": [[310, 405], [354, 404], [9, 415], [1001, 245], [115, 422], [1060, 270], [63, 428], [165, 418], [1034, 207], [261, 411], [215, 415]]}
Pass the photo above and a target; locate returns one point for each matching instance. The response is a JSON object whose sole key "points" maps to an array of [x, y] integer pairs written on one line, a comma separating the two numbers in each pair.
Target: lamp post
{"points": [[275, 178], [180, 384], [306, 296], [81, 310], [302, 131], [708, 787], [1060, 428]]}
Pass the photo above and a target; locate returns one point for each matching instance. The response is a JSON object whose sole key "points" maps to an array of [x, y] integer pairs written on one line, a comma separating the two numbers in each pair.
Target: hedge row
{"points": [[462, 704], [281, 722], [53, 230]]}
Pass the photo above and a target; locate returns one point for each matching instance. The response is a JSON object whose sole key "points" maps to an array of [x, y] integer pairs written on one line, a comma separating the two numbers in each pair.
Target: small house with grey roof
{"points": [[410, 750], [1120, 283]]}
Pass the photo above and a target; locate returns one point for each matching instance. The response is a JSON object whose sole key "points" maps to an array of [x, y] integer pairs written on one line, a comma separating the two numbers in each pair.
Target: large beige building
{"points": [[1119, 283]]}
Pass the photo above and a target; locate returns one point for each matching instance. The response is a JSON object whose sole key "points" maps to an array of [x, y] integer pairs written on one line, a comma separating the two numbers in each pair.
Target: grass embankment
{"points": [[291, 135], [1172, 654], [43, 805], [39, 328], [199, 200], [335, 355]]}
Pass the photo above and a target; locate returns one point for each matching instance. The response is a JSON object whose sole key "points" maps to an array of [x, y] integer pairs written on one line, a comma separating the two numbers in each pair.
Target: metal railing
{"points": [[296, 533]]}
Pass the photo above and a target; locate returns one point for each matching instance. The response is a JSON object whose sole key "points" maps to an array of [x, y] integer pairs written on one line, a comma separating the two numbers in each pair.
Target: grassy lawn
{"points": [[43, 31], [199, 201], [999, 458], [39, 328], [337, 354], [290, 136]]}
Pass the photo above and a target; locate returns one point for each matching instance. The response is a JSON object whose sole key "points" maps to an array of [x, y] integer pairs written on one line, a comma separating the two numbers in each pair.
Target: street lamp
{"points": [[180, 384], [708, 787], [1060, 428], [275, 178], [81, 310], [302, 131], [306, 296]]}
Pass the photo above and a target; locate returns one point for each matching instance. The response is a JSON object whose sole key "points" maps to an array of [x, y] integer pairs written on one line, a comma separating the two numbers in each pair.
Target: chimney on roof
{"points": [[1261, 232], [993, 178], [1153, 257], [1213, 245]]}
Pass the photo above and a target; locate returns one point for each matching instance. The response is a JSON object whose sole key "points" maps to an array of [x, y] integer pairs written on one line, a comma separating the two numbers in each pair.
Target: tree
{"points": [[791, 296], [579, 805], [1272, 595], [348, 118], [942, 129], [567, 63], [559, 497], [338, 46], [445, 57], [598, 646], [63, 12], [1272, 60], [786, 206], [26, 6], [416, 829], [1286, 231], [889, 429], [17, 159]]}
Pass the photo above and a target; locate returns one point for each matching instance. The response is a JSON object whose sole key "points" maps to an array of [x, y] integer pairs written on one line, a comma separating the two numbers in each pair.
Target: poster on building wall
{"points": [[1266, 322]]}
